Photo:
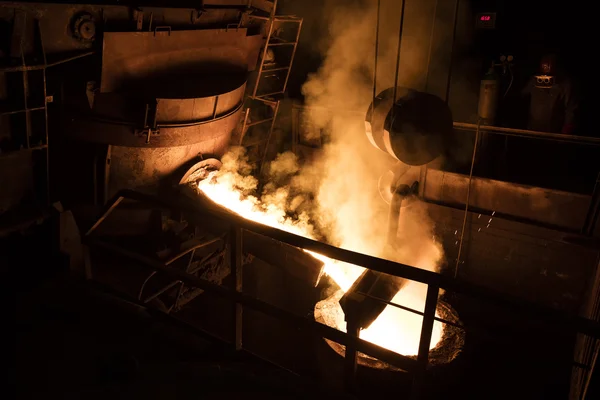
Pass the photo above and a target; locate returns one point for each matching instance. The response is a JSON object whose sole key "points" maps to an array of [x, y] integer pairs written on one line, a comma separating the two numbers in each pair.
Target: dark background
{"points": [[525, 29]]}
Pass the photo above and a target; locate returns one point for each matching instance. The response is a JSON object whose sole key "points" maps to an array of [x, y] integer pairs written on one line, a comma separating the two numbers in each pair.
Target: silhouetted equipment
{"points": [[488, 97], [415, 129]]}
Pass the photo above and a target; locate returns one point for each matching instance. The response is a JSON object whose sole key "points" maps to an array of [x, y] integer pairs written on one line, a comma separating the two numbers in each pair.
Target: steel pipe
{"points": [[527, 133]]}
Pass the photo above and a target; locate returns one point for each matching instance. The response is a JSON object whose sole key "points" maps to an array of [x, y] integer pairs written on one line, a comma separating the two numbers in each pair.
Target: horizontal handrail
{"points": [[343, 338], [499, 130], [562, 320]]}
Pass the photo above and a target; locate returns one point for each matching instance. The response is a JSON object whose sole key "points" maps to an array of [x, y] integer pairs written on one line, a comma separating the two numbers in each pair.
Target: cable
{"points": [[452, 49], [512, 78], [464, 224], [431, 43], [375, 63], [400, 29], [144, 284]]}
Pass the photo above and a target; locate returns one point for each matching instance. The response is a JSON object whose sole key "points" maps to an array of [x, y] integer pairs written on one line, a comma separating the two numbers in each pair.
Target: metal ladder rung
{"points": [[282, 18], [282, 44], [254, 143], [274, 69], [271, 102], [262, 121], [268, 94], [272, 99], [258, 17], [280, 39], [287, 18]]}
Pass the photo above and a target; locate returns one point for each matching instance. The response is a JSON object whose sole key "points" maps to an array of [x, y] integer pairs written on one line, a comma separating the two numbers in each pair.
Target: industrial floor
{"points": [[75, 342]]}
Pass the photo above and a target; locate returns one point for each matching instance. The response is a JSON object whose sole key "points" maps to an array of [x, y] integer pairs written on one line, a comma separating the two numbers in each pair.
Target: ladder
{"points": [[271, 74], [29, 110]]}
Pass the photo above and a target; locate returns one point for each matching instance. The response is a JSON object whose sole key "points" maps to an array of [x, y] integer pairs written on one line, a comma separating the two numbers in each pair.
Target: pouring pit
{"points": [[450, 338]]}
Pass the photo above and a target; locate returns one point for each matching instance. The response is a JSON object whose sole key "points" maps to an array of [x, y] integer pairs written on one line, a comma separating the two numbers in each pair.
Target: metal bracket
{"points": [[150, 123], [139, 16]]}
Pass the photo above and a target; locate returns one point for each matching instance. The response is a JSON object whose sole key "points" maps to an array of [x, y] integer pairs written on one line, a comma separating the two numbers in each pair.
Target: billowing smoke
{"points": [[335, 196], [351, 212]]}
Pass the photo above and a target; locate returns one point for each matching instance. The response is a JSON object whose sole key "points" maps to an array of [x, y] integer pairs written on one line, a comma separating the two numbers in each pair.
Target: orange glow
{"points": [[395, 329]]}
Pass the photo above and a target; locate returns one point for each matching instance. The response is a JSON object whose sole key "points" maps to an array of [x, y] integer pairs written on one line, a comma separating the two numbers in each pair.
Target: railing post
{"points": [[235, 262], [425, 341], [351, 358]]}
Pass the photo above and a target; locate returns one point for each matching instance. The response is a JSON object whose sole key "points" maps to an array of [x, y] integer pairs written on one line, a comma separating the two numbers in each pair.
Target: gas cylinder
{"points": [[488, 97]]}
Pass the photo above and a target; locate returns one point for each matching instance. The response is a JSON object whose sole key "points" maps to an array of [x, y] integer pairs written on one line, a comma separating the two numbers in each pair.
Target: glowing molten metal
{"points": [[394, 329]]}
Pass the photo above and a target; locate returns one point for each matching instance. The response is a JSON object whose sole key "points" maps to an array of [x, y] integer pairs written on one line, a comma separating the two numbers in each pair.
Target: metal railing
{"points": [[561, 321], [559, 137], [594, 207]]}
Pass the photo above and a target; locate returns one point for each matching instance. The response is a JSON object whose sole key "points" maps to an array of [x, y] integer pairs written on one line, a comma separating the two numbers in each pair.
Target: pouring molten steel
{"points": [[395, 329]]}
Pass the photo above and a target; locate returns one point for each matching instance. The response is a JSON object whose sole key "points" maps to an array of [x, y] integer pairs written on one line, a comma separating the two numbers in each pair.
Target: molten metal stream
{"points": [[394, 329]]}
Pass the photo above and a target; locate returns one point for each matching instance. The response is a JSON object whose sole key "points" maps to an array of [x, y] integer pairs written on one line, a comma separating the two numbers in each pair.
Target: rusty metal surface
{"points": [[149, 168], [199, 170], [197, 89], [196, 80], [118, 118], [148, 57], [211, 96], [552, 207]]}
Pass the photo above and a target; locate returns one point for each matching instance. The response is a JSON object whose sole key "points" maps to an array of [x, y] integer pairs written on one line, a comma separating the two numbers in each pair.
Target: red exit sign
{"points": [[485, 21]]}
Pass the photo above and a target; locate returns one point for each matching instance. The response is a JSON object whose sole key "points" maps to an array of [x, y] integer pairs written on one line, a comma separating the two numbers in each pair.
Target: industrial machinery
{"points": [[163, 95], [414, 130], [165, 98]]}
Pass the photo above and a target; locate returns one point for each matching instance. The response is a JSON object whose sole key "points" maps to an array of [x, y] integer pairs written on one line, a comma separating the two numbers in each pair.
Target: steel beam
{"points": [[560, 320]]}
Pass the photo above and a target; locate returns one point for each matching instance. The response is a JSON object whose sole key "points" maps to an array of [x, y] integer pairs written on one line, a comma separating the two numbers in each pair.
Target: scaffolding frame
{"points": [[270, 100]]}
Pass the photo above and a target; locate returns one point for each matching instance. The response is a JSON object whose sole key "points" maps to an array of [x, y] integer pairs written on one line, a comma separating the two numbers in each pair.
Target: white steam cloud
{"points": [[351, 212], [335, 196]]}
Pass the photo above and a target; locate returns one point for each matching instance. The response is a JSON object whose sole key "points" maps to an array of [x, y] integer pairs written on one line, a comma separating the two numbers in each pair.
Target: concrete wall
{"points": [[533, 263]]}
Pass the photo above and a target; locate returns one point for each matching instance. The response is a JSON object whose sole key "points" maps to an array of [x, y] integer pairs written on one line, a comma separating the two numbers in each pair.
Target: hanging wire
{"points": [[512, 78], [398, 55], [430, 45], [464, 224], [375, 61], [452, 49]]}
